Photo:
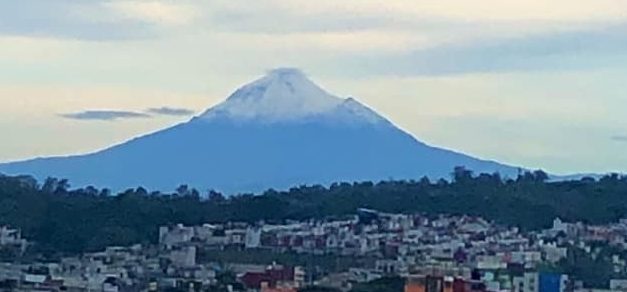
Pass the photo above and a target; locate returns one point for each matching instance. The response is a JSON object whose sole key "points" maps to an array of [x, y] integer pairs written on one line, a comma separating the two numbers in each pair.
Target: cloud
{"points": [[270, 16], [90, 20], [254, 19], [166, 13], [113, 115], [535, 10], [104, 115], [619, 138], [170, 111], [581, 49], [63, 19]]}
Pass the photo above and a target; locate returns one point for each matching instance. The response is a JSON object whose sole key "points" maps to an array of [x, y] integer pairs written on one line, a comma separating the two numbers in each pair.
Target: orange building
{"points": [[415, 284]]}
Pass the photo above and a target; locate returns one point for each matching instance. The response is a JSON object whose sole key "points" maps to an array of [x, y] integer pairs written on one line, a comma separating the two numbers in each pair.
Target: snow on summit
{"points": [[285, 94], [279, 131]]}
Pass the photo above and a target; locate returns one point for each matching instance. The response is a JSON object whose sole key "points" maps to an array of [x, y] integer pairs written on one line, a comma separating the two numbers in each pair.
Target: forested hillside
{"points": [[59, 218]]}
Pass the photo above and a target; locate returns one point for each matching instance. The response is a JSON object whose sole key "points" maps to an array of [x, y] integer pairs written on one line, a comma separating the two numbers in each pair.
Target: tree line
{"points": [[62, 219]]}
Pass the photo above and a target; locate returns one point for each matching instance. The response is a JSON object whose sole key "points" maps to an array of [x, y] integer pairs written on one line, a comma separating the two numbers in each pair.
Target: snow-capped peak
{"points": [[286, 94]]}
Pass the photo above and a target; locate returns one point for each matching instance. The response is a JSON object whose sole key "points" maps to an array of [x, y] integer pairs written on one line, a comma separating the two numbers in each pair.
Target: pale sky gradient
{"points": [[534, 83]]}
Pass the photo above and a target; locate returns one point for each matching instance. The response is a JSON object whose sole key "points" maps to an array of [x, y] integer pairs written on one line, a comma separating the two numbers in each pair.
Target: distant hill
{"points": [[278, 131]]}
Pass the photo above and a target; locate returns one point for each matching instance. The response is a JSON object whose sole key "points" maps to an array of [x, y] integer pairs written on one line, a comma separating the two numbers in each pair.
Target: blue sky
{"points": [[533, 83]]}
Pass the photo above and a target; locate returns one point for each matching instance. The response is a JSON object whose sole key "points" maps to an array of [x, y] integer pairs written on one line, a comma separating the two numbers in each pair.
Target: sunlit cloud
{"points": [[160, 12]]}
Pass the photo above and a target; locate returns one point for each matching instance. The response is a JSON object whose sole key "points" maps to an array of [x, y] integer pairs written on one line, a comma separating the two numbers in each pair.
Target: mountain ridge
{"points": [[275, 132]]}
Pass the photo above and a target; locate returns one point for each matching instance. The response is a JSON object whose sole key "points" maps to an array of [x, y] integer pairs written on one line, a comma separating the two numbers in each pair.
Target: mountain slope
{"points": [[278, 131]]}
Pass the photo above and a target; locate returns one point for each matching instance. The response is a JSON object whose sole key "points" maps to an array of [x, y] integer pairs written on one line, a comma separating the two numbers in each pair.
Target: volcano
{"points": [[279, 131]]}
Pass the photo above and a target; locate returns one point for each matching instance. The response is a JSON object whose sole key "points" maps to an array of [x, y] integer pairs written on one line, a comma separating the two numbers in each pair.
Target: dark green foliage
{"points": [[594, 269], [61, 219], [8, 254]]}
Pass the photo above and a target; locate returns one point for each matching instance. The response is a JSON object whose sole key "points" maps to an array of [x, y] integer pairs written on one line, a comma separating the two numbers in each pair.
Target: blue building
{"points": [[552, 282]]}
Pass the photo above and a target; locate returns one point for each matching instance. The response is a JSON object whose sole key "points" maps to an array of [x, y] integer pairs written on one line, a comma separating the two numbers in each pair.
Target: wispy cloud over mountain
{"points": [[113, 115], [104, 115], [170, 111]]}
